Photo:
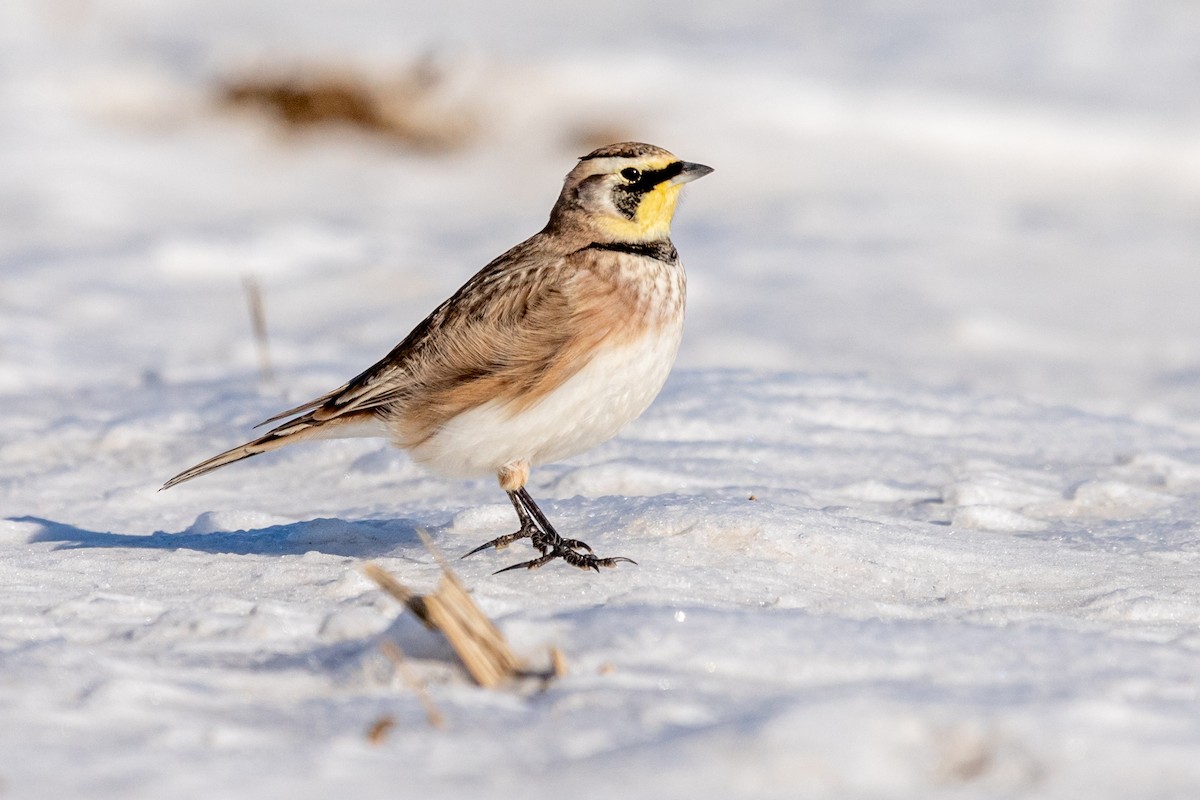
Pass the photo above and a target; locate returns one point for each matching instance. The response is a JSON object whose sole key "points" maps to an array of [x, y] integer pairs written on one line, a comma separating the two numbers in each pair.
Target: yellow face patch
{"points": [[651, 218]]}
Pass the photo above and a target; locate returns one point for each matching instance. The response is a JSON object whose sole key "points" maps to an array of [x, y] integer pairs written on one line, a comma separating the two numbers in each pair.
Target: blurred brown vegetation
{"points": [[410, 109]]}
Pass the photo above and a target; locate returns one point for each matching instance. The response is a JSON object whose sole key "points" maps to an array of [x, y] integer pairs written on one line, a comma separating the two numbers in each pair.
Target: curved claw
{"points": [[591, 562], [580, 560], [614, 560], [479, 549], [532, 564], [500, 542]]}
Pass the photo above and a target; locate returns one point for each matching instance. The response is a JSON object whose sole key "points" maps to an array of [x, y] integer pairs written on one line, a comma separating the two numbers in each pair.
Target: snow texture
{"points": [[915, 515]]}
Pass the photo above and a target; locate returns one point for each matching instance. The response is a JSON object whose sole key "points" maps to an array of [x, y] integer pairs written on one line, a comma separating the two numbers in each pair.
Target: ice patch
{"points": [[993, 518], [874, 491], [224, 521], [17, 531], [278, 622], [1115, 499], [1160, 469], [352, 623], [492, 516], [994, 486]]}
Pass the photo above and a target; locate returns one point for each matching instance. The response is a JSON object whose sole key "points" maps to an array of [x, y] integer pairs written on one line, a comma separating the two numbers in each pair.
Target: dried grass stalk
{"points": [[258, 321], [558, 663], [483, 650], [480, 646]]}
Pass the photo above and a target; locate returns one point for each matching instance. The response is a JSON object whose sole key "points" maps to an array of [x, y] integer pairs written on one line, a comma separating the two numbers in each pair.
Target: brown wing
{"points": [[513, 338], [512, 334], [490, 299]]}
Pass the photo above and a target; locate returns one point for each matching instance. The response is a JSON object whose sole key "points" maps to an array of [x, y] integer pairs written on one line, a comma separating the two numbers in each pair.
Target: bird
{"points": [[549, 350]]}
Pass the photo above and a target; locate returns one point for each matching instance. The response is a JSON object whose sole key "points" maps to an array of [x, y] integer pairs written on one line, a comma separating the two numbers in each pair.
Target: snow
{"points": [[914, 516]]}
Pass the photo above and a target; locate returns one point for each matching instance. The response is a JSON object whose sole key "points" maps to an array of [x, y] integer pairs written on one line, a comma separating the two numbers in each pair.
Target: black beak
{"points": [[691, 172]]}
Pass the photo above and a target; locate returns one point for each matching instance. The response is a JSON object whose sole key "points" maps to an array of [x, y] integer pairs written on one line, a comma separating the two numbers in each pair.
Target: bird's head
{"points": [[625, 192]]}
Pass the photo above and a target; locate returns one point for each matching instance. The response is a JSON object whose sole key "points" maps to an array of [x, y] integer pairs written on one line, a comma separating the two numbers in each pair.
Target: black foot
{"points": [[581, 560], [545, 539]]}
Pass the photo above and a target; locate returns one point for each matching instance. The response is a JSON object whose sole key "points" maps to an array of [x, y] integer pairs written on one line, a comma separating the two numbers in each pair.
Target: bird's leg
{"points": [[524, 502], [550, 543], [529, 528], [539, 530], [534, 526]]}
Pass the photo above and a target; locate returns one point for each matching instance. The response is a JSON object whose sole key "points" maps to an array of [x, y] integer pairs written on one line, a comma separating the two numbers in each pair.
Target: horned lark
{"points": [[549, 350]]}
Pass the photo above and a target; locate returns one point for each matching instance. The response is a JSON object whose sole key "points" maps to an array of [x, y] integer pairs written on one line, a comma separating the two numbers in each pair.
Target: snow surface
{"points": [[916, 515]]}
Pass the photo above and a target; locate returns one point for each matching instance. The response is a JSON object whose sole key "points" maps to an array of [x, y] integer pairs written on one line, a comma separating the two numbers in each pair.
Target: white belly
{"points": [[590, 407]]}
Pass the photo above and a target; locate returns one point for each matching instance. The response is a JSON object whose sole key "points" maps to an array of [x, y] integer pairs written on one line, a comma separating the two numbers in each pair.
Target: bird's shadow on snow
{"points": [[357, 539]]}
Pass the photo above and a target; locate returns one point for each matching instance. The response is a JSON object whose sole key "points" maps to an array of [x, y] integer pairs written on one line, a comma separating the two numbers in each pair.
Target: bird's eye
{"points": [[630, 174]]}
